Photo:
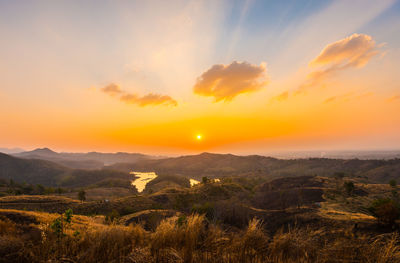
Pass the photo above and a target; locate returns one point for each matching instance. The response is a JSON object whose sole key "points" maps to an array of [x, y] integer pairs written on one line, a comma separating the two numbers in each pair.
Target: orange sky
{"points": [[165, 75]]}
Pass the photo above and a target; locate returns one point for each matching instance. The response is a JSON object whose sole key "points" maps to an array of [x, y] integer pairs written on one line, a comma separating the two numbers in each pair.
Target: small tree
{"points": [[82, 195], [58, 226], [393, 183], [112, 217], [339, 175], [349, 187], [385, 210], [40, 189], [59, 190], [207, 209], [205, 180]]}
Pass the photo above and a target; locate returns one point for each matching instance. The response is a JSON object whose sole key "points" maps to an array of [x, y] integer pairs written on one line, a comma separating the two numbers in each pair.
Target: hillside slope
{"points": [[224, 165], [35, 171], [91, 160]]}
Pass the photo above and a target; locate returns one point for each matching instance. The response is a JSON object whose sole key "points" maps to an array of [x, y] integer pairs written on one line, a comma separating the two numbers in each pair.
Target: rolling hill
{"points": [[225, 165], [91, 160], [47, 173]]}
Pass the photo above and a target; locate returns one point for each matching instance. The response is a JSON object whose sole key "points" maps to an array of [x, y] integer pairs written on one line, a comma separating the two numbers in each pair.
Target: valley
{"points": [[234, 194]]}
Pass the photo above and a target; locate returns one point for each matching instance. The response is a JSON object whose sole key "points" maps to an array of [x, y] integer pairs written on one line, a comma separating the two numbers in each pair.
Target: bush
{"points": [[385, 210], [349, 187], [82, 195], [393, 183], [206, 209], [112, 217]]}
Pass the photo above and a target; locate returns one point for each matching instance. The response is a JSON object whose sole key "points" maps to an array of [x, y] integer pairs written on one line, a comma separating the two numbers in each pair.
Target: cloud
{"points": [[393, 98], [225, 82], [281, 97], [344, 97], [347, 97], [112, 89], [354, 51], [149, 99], [146, 100]]}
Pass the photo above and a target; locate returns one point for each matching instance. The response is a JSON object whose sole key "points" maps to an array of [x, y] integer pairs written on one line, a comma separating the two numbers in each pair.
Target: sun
{"points": [[199, 137]]}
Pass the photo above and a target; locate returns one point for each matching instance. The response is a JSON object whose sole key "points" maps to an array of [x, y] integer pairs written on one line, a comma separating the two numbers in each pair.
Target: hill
{"points": [[31, 171], [226, 165], [91, 160], [47, 173]]}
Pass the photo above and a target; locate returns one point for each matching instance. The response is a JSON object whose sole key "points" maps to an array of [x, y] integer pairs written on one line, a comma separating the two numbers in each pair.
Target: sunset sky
{"points": [[246, 76]]}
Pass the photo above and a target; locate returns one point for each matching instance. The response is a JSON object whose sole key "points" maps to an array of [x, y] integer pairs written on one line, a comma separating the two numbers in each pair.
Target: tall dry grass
{"points": [[193, 240]]}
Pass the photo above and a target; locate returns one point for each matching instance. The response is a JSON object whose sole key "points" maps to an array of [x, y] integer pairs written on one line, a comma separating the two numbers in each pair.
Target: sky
{"points": [[181, 77]]}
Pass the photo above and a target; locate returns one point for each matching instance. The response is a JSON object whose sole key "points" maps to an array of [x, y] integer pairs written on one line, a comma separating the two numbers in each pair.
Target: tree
{"points": [[338, 175], [349, 187], [27, 189], [206, 209], [59, 190], [385, 210], [12, 183], [40, 189], [59, 225], [82, 195], [393, 183], [205, 180], [112, 217]]}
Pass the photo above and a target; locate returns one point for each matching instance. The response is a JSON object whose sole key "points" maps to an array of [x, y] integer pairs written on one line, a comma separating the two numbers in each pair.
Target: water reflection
{"points": [[142, 180], [193, 182]]}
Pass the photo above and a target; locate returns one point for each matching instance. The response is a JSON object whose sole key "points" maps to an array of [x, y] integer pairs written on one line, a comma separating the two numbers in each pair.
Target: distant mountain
{"points": [[91, 160], [11, 150], [363, 155], [47, 173], [30, 171], [205, 164], [222, 165], [192, 166]]}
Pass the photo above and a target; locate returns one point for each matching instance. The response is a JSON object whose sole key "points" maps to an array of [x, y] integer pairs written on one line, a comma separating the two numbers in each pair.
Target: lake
{"points": [[142, 180]]}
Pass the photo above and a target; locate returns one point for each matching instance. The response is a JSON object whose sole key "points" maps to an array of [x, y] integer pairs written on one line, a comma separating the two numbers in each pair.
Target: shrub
{"points": [[205, 180], [393, 183], [107, 244], [349, 187], [112, 217], [82, 195], [206, 209], [385, 210], [254, 242]]}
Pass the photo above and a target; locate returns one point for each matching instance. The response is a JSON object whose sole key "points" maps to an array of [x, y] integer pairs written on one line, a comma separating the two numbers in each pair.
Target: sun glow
{"points": [[198, 137]]}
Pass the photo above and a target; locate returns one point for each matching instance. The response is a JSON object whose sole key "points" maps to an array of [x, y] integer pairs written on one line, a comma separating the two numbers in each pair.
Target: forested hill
{"points": [[222, 165]]}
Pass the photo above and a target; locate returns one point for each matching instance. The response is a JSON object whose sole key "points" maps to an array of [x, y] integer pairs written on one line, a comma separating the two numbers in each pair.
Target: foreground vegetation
{"points": [[209, 223], [33, 237]]}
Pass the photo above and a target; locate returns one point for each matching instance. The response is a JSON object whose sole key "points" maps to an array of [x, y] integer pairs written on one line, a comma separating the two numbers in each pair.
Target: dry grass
{"points": [[191, 239], [101, 193]]}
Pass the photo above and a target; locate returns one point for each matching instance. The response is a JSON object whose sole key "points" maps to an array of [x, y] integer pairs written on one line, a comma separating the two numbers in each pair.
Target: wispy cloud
{"points": [[347, 97], [336, 98], [146, 100], [354, 51], [225, 82], [112, 89], [149, 99], [393, 98], [281, 97]]}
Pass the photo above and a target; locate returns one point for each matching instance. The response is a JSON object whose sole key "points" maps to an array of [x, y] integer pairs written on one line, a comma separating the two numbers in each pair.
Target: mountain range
{"points": [[46, 167], [91, 160]]}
